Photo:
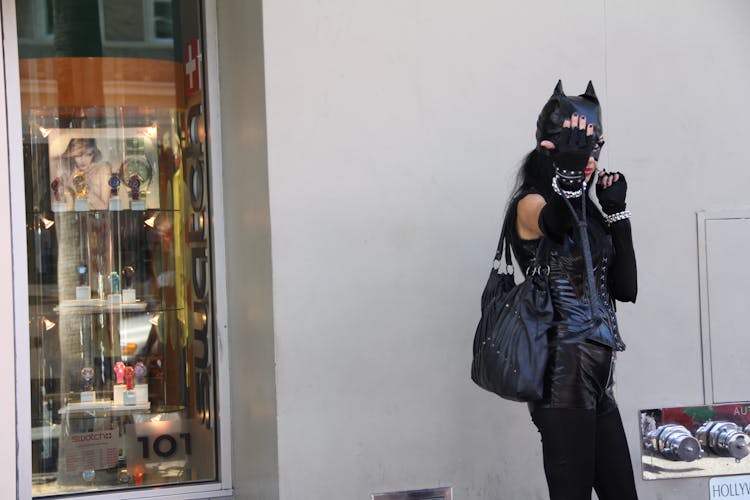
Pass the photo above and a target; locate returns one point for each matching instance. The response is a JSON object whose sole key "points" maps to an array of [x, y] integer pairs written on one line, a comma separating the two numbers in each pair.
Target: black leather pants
{"points": [[579, 375]]}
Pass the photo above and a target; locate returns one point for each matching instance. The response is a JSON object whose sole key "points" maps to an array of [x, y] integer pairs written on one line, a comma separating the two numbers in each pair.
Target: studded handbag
{"points": [[510, 342]]}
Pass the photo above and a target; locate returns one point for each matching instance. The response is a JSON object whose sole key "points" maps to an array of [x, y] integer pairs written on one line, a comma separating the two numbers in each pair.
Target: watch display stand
{"points": [[88, 396], [118, 394], [81, 205], [137, 205], [128, 296], [141, 393], [129, 398], [83, 292], [115, 204], [119, 371]]}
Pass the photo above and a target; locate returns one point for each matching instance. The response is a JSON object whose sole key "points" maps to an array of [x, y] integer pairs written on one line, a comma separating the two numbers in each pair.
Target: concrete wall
{"points": [[248, 245], [394, 131]]}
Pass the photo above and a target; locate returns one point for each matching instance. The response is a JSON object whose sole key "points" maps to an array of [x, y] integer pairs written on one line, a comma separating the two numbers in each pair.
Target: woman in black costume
{"points": [[583, 440]]}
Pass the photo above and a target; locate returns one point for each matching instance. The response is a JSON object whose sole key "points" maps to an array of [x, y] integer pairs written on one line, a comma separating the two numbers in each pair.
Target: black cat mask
{"points": [[560, 107]]}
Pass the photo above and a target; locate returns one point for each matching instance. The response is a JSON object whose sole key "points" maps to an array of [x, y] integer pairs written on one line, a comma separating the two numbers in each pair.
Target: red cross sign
{"points": [[192, 67]]}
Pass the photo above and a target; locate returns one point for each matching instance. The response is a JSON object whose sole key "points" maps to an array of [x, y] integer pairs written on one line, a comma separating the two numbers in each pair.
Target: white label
{"points": [[129, 398], [128, 296], [115, 204], [81, 205], [91, 450], [88, 397], [734, 487], [83, 292], [138, 205]]}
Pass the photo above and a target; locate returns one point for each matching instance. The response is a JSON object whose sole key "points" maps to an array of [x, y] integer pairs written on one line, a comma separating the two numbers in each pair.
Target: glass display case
{"points": [[121, 334]]}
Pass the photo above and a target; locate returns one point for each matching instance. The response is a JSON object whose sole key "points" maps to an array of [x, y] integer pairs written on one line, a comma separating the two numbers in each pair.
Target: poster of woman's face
{"points": [[97, 165]]}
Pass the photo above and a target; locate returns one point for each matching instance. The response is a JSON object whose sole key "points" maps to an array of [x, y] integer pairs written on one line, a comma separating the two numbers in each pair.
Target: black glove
{"points": [[612, 199], [571, 155]]}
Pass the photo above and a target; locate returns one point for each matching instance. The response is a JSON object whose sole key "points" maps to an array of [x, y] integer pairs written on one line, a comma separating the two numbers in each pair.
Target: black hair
{"points": [[534, 175]]}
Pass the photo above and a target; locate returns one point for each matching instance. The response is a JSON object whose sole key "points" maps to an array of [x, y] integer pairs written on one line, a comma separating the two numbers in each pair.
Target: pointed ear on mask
{"points": [[590, 92], [559, 89]]}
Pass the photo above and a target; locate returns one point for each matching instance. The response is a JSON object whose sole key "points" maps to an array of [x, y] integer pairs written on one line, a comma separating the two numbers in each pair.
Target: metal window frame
{"points": [[20, 355]]}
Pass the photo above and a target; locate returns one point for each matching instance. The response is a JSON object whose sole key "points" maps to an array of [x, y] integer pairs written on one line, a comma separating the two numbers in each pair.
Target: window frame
{"points": [[19, 356]]}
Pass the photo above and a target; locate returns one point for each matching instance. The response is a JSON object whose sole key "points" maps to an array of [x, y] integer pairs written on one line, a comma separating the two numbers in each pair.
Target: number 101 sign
{"points": [[161, 450]]}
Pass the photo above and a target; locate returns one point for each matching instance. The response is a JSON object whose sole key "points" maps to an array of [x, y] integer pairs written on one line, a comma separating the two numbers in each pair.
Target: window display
{"points": [[695, 441], [119, 260]]}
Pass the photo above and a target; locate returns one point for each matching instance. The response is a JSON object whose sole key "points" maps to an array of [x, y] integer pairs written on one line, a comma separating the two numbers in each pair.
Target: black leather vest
{"points": [[573, 304]]}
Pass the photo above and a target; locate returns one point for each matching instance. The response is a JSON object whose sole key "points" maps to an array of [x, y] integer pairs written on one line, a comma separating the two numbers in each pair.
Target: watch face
{"points": [[194, 126], [127, 275], [139, 166], [58, 189], [79, 184]]}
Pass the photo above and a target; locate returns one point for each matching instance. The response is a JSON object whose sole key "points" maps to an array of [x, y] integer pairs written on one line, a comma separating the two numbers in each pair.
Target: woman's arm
{"points": [[623, 275], [536, 218], [611, 189]]}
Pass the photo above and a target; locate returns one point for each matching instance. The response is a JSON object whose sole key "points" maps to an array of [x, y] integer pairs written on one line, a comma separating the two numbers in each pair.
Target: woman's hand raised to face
{"points": [[606, 179], [575, 137], [611, 189], [571, 152]]}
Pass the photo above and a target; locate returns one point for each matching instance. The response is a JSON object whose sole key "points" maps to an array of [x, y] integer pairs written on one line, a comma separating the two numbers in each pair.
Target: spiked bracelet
{"points": [[565, 193], [612, 218]]}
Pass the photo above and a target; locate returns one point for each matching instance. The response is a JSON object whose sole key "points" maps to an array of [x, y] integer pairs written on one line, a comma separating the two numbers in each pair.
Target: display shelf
{"points": [[105, 405], [139, 307], [45, 432], [97, 306], [124, 210]]}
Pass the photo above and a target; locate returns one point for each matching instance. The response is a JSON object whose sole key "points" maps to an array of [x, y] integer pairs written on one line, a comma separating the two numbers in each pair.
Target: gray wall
{"points": [[248, 250], [394, 129]]}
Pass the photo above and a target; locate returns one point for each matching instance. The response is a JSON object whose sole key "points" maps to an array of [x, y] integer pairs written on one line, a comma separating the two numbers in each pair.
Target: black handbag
{"points": [[510, 343]]}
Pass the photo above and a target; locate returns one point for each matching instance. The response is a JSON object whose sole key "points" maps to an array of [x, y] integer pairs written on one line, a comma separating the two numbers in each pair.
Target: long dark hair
{"points": [[534, 175]]}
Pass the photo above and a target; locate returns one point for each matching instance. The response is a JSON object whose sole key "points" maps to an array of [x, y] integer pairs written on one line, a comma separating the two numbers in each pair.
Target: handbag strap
{"points": [[503, 247], [581, 223]]}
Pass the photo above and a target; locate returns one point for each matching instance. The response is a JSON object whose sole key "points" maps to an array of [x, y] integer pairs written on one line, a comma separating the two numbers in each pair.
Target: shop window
{"points": [[121, 332]]}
